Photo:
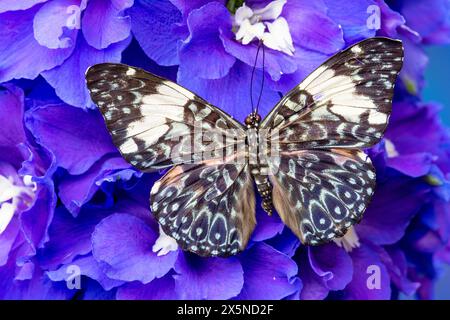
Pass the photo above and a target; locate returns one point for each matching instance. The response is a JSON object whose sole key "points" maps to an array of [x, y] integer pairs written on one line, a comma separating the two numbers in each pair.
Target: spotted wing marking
{"points": [[319, 194], [346, 102], [153, 121], [209, 208], [322, 181]]}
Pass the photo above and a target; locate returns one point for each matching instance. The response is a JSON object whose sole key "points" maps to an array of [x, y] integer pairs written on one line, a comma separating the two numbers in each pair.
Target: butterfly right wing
{"points": [[156, 123], [322, 181], [209, 207]]}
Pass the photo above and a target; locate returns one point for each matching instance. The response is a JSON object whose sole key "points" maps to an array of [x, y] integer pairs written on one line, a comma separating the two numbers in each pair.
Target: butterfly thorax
{"points": [[258, 167]]}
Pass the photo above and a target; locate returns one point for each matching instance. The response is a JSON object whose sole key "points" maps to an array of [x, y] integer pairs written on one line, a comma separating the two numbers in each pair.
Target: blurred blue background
{"points": [[438, 89], [437, 78]]}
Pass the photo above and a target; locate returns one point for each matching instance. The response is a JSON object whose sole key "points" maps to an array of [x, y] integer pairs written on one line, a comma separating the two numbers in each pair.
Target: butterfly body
{"points": [[305, 157], [258, 167]]}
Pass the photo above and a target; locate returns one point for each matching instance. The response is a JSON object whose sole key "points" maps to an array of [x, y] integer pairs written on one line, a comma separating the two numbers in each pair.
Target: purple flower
{"points": [[68, 199], [216, 62], [60, 39], [27, 202]]}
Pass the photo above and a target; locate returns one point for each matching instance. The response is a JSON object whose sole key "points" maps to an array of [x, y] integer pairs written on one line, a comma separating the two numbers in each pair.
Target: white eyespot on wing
{"points": [[129, 146], [130, 72]]}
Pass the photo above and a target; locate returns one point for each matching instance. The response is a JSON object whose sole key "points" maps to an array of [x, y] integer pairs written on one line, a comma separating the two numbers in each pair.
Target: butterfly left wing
{"points": [[208, 207], [322, 180]]}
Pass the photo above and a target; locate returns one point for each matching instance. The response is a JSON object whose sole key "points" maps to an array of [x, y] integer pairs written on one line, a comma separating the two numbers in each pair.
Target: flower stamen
{"points": [[164, 244], [349, 241]]}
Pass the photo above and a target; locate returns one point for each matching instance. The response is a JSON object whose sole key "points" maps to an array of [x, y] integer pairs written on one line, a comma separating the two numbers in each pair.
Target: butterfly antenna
{"points": [[255, 110]]}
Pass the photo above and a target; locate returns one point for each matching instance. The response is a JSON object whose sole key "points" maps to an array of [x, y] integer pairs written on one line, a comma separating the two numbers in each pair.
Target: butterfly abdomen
{"points": [[264, 188], [258, 165]]}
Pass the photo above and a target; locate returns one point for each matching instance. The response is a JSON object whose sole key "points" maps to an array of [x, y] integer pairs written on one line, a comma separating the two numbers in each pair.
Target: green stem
{"points": [[233, 5]]}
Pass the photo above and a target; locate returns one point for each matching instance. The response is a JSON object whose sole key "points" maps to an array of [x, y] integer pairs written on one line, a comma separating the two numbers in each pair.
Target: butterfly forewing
{"points": [[322, 181], [156, 123], [346, 102]]}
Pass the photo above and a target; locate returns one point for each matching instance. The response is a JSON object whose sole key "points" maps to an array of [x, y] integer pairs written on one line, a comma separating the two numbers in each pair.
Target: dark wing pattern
{"points": [[346, 102], [319, 194], [209, 208], [154, 121], [322, 181]]}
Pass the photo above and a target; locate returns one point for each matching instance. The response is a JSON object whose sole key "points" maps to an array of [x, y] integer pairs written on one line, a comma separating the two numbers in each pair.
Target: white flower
{"points": [[266, 25], [391, 151], [164, 244], [349, 241], [11, 196]]}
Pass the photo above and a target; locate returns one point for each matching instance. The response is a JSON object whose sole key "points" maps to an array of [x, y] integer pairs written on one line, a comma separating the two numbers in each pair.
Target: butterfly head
{"points": [[252, 120]]}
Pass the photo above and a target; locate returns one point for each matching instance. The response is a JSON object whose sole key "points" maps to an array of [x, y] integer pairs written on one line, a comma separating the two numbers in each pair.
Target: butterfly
{"points": [[320, 182]]}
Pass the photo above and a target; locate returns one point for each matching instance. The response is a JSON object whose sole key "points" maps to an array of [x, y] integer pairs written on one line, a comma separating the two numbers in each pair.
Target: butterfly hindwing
{"points": [[322, 181], [209, 208], [154, 121], [319, 194]]}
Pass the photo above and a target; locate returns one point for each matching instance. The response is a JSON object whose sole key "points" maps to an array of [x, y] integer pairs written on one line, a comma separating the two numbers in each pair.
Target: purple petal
{"points": [[104, 22], [327, 39], [21, 55], [427, 18], [395, 261], [39, 287], [267, 226], [307, 61], [11, 130], [187, 6], [12, 5], [231, 93], [325, 268], [412, 73], [62, 249], [159, 289], [424, 119], [75, 92], [394, 204], [332, 264], [390, 20], [74, 151], [124, 242], [92, 290], [75, 191], [7, 239], [313, 285], [413, 165], [203, 54], [153, 24], [276, 63], [195, 281], [286, 242], [353, 18], [268, 274], [89, 267], [37, 219], [52, 24], [367, 263]]}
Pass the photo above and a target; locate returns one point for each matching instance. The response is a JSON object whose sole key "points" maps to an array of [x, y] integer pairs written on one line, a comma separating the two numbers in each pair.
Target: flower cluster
{"points": [[74, 216]]}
